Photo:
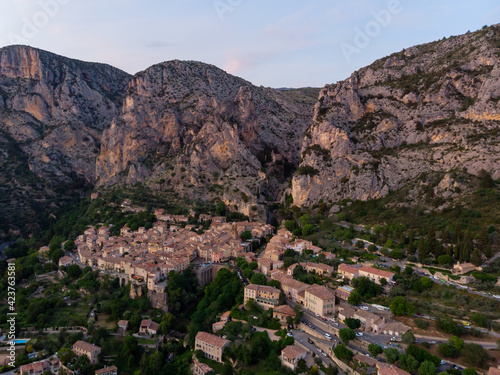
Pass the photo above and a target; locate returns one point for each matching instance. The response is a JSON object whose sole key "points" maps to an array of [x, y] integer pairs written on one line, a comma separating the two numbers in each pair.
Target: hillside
{"points": [[52, 114], [405, 122]]}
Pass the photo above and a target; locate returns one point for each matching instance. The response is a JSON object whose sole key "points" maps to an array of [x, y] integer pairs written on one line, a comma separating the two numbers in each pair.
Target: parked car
{"points": [[328, 336], [363, 308], [359, 334], [289, 334], [310, 341]]}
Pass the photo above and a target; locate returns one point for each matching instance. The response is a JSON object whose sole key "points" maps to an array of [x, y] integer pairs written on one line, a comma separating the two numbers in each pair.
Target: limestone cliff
{"points": [[192, 128], [52, 114], [433, 107]]}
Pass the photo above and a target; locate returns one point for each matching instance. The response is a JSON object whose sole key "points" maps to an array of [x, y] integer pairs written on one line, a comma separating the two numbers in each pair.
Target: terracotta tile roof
{"points": [[291, 352], [376, 271], [320, 292], [494, 371], [284, 309], [346, 268], [212, 339], [385, 369], [85, 346]]}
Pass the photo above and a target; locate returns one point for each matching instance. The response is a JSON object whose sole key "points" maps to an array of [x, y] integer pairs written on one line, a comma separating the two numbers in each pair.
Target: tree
{"points": [[259, 279], [290, 225], [360, 244], [331, 370], [426, 282], [69, 245], [354, 298], [446, 350], [65, 355], [74, 271], [352, 323], [347, 334], [485, 180], [427, 368], [307, 230], [391, 355], [298, 314], [372, 248], [474, 355], [408, 362], [343, 353], [375, 349], [476, 257], [456, 343], [398, 306], [469, 371], [383, 281], [246, 235], [408, 338]]}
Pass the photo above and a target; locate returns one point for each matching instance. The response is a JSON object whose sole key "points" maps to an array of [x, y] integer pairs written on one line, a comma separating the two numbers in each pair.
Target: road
{"points": [[302, 337]]}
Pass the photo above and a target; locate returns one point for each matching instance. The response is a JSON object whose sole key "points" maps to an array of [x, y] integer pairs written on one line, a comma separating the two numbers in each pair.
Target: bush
{"points": [[474, 355], [343, 353], [421, 323]]}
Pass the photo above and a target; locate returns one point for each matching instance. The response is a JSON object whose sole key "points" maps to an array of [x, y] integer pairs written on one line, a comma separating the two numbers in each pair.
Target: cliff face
{"points": [[192, 128], [430, 108], [53, 111]]}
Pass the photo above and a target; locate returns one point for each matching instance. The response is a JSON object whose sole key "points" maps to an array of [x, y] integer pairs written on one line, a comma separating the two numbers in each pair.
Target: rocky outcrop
{"points": [[430, 108], [53, 111], [193, 128]]}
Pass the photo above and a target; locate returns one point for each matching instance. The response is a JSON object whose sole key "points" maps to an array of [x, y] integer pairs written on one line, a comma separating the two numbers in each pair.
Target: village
{"points": [[314, 315]]}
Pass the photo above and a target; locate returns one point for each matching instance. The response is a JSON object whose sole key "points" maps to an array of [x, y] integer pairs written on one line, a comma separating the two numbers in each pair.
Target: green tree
{"points": [[456, 343], [290, 225], [307, 230], [347, 334], [354, 298], [408, 362], [246, 235], [408, 338], [469, 371], [74, 271], [259, 279], [391, 355], [476, 257], [398, 306], [474, 355], [375, 349], [426, 282], [427, 368], [352, 323], [343, 353]]}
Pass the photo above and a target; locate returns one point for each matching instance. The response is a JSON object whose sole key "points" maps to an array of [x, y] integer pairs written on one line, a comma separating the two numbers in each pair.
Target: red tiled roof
{"points": [[212, 339]]}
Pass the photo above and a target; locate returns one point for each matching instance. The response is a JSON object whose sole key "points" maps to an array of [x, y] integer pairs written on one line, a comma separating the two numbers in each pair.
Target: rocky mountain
{"points": [[426, 111], [53, 111], [191, 128], [423, 119]]}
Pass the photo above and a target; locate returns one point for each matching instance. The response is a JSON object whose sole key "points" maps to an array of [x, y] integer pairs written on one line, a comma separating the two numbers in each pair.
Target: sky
{"points": [[273, 43]]}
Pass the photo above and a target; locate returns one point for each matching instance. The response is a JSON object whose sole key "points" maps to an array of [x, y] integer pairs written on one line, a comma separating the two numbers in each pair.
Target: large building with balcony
{"points": [[265, 296]]}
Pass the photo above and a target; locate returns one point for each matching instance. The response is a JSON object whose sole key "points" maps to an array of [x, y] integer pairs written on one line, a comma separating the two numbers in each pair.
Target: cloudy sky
{"points": [[277, 43]]}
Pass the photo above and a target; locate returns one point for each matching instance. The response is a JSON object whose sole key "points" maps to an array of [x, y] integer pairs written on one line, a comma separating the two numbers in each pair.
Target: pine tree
{"points": [[432, 244], [422, 249], [457, 233], [466, 248], [484, 242], [476, 257]]}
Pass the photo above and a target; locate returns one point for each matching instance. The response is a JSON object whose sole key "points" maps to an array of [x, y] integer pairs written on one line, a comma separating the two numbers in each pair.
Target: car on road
{"points": [[432, 342], [310, 341], [324, 354], [443, 362], [289, 334], [328, 336], [359, 334], [316, 314], [364, 308]]}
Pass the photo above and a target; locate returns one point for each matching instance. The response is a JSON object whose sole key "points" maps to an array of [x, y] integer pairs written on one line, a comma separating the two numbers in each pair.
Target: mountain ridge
{"points": [[193, 130]]}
